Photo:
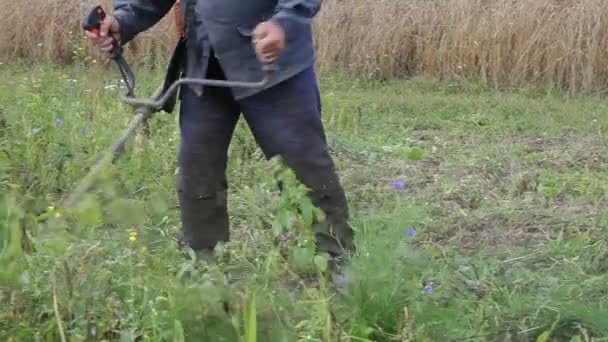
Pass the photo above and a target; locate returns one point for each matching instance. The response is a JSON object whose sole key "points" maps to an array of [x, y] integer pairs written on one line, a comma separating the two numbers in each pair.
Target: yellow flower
{"points": [[133, 236]]}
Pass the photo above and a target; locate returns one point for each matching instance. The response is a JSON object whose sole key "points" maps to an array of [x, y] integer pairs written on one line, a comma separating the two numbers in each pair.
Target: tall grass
{"points": [[553, 43], [43, 31], [549, 42]]}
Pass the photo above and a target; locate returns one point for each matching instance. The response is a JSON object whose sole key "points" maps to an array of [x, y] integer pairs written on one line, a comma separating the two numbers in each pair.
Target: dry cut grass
{"points": [[555, 43]]}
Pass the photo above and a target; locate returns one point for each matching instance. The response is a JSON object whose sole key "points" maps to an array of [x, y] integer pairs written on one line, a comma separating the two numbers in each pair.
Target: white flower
{"points": [[33, 131]]}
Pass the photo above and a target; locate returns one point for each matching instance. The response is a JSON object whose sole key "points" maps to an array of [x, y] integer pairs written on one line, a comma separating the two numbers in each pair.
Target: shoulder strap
{"points": [[187, 8]]}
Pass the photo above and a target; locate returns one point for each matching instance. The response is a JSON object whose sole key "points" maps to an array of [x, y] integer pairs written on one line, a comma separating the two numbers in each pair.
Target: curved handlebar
{"points": [[155, 104]]}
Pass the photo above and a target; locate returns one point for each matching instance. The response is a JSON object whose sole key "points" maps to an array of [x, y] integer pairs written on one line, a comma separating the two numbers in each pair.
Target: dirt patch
{"points": [[500, 231], [574, 210], [412, 176], [543, 142], [566, 151], [429, 166], [592, 155], [533, 144], [426, 135]]}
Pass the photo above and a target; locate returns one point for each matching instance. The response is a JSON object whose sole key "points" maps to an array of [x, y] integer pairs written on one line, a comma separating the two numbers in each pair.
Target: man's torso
{"points": [[225, 27]]}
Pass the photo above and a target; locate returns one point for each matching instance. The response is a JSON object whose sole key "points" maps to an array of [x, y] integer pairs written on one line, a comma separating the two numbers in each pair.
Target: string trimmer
{"points": [[144, 108]]}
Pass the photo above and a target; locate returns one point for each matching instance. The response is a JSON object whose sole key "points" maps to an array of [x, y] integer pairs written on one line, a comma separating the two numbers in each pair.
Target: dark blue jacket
{"points": [[226, 26]]}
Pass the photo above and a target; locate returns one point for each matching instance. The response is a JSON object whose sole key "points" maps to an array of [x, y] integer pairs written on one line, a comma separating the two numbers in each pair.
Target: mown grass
{"points": [[497, 234]]}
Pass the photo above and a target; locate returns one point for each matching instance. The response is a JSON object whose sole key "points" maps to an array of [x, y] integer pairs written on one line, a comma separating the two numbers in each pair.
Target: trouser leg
{"points": [[206, 126], [286, 121]]}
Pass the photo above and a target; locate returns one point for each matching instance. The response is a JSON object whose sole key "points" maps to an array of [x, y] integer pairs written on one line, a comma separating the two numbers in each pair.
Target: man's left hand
{"points": [[269, 40]]}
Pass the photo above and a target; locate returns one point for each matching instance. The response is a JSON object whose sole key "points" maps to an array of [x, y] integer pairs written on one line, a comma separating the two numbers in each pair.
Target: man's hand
{"points": [[269, 40], [108, 32]]}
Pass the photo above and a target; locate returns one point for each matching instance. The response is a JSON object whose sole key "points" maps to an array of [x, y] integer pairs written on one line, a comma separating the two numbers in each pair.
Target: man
{"points": [[232, 39]]}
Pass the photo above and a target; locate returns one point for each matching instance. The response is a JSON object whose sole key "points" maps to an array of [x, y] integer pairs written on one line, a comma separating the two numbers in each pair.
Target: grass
{"points": [[497, 234]]}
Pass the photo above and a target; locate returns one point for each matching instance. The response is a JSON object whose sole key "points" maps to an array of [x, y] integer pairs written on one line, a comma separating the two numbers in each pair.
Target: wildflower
{"points": [[399, 184], [51, 210], [133, 236], [33, 131], [410, 232], [428, 286], [58, 122]]}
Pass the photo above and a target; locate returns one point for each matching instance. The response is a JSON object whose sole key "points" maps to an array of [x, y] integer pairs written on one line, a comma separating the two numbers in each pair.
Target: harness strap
{"points": [[187, 8]]}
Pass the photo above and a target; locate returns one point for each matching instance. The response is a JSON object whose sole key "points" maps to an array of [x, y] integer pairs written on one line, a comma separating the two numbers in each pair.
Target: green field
{"points": [[499, 232]]}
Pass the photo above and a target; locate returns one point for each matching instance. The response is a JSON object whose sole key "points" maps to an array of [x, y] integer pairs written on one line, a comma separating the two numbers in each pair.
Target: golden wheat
{"points": [[50, 31], [556, 43]]}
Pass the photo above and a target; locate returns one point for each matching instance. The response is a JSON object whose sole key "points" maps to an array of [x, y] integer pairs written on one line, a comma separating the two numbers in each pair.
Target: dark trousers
{"points": [[285, 121]]}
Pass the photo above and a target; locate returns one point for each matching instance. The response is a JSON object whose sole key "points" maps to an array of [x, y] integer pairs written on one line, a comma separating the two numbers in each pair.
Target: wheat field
{"points": [[552, 43]]}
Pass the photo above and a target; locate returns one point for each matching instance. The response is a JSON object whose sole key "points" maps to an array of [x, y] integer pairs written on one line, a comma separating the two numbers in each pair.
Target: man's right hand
{"points": [[108, 32]]}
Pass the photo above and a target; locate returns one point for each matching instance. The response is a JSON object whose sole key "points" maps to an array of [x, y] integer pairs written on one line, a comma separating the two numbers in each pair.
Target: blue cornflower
{"points": [[58, 122], [399, 184], [410, 232]]}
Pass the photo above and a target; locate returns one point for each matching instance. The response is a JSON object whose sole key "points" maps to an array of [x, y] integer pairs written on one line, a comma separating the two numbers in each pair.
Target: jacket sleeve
{"points": [[135, 16], [291, 14]]}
